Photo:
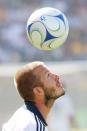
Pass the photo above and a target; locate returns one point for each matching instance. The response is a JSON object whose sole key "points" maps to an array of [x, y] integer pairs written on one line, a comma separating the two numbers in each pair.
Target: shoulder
{"points": [[22, 120], [23, 115]]}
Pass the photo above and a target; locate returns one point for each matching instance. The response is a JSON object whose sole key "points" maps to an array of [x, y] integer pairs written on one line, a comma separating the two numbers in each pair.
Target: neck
{"points": [[44, 108]]}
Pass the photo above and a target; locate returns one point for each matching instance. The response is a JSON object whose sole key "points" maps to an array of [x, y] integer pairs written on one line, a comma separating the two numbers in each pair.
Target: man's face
{"points": [[52, 85]]}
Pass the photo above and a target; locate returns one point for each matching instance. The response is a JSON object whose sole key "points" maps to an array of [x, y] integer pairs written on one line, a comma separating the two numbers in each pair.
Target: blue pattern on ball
{"points": [[29, 26], [48, 36], [60, 17]]}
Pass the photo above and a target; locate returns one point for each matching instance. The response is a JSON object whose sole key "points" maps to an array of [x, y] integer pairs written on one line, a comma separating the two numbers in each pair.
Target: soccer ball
{"points": [[47, 28]]}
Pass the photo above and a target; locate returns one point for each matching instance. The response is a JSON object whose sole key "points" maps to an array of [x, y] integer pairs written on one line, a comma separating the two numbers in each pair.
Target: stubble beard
{"points": [[49, 97]]}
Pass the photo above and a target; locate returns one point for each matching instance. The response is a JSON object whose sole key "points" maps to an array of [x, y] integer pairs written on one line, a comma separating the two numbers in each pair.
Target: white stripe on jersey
{"points": [[40, 125]]}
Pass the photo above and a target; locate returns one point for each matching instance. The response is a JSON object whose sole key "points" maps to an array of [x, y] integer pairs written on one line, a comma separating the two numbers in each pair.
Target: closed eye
{"points": [[49, 75]]}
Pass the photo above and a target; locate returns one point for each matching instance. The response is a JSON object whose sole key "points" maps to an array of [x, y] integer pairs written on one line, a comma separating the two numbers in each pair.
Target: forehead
{"points": [[40, 70]]}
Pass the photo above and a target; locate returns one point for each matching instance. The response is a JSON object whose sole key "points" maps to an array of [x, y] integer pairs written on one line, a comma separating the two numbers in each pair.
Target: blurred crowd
{"points": [[14, 44]]}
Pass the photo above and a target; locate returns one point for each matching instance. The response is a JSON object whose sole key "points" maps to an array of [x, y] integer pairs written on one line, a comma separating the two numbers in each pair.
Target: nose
{"points": [[56, 77]]}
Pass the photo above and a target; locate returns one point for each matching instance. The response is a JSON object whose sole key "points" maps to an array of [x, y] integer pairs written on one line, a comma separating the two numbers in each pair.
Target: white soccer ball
{"points": [[47, 28]]}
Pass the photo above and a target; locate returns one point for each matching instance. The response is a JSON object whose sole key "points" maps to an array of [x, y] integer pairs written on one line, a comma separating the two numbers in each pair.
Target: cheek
{"points": [[49, 91]]}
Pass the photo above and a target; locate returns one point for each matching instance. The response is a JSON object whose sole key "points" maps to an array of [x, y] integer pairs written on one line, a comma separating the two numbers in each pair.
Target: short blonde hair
{"points": [[26, 80]]}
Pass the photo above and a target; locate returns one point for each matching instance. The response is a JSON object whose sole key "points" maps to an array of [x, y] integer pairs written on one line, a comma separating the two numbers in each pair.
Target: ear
{"points": [[38, 91]]}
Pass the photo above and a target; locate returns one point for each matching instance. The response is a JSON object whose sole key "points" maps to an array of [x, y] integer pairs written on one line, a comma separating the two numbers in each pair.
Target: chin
{"points": [[61, 94]]}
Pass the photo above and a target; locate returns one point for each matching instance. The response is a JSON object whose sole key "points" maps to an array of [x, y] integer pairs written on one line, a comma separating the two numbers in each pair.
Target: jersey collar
{"points": [[31, 106]]}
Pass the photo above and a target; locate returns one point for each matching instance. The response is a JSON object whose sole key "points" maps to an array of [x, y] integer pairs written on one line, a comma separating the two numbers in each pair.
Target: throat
{"points": [[44, 110], [49, 101]]}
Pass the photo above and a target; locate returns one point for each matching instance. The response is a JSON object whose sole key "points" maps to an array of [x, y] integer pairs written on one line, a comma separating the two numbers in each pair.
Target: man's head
{"points": [[26, 80], [35, 80]]}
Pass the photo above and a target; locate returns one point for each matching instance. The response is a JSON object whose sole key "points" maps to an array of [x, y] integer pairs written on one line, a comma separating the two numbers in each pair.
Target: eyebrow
{"points": [[46, 71]]}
